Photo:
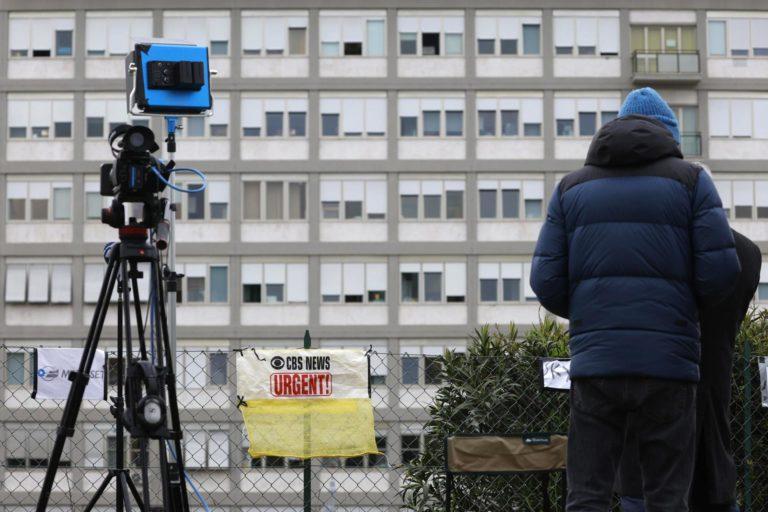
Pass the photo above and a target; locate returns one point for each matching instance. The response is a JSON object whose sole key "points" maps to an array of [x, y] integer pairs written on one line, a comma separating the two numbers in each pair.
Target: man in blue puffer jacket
{"points": [[633, 243]]}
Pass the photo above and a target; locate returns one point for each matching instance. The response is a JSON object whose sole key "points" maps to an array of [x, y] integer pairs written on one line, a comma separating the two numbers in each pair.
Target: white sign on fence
{"points": [[54, 366], [556, 374]]}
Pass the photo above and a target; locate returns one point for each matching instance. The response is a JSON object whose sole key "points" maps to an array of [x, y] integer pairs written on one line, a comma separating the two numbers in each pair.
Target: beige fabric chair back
{"points": [[506, 454]]}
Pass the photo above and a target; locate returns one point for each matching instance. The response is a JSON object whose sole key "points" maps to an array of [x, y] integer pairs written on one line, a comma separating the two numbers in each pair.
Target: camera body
{"points": [[131, 178]]}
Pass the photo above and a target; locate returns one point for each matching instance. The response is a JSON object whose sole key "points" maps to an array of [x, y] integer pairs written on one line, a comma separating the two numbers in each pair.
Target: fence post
{"points": [[307, 462], [747, 425]]}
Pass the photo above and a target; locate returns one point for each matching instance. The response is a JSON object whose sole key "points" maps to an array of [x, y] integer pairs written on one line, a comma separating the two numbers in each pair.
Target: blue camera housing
{"points": [[149, 98]]}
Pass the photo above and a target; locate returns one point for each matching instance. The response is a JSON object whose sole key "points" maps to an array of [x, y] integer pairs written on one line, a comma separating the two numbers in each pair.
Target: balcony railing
{"points": [[665, 63], [690, 143]]}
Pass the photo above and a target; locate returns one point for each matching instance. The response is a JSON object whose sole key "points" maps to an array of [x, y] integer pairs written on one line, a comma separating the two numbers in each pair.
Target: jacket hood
{"points": [[631, 140]]}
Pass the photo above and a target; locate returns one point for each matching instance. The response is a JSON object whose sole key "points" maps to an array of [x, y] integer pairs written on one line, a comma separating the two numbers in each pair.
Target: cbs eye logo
{"points": [[277, 362]]}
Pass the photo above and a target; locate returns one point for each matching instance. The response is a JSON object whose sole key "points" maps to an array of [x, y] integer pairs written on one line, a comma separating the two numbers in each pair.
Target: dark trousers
{"points": [[661, 412]]}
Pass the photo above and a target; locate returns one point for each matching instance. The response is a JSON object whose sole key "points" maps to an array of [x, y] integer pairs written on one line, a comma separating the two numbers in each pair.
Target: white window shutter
{"points": [[509, 28], [40, 113], [95, 108], [296, 104], [759, 33], [353, 29], [408, 107], [141, 29], [221, 112], [18, 113], [563, 28], [430, 24], [353, 112], [252, 112], [376, 115], [376, 276], [719, 118], [61, 284], [174, 27], [94, 274], [565, 108], [724, 190], [761, 119], [586, 31], [218, 28], [761, 193], [195, 368], [738, 31], [486, 104], [586, 105], [407, 24], [354, 279], [743, 193], [456, 279], [431, 187], [741, 118], [119, 37], [610, 104], [488, 270], [511, 270], [194, 448], [218, 450], [376, 197], [353, 190], [16, 190], [409, 187], [297, 282], [19, 37], [15, 283], [116, 111], [454, 104], [453, 24], [330, 278], [274, 273], [63, 111], [218, 191], [330, 190], [533, 189], [454, 185], [609, 35], [330, 106], [39, 190], [38, 284], [274, 33], [96, 34], [330, 30], [195, 270], [485, 27], [251, 273], [532, 110], [410, 268], [252, 33], [42, 35]]}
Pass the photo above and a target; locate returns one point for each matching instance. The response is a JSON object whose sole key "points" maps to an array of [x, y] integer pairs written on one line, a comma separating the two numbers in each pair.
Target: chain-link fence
{"points": [[417, 400]]}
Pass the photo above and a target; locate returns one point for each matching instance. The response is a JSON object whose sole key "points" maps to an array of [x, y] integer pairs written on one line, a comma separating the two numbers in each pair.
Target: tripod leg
{"points": [[137, 307], [135, 492], [123, 486], [99, 492], [79, 380]]}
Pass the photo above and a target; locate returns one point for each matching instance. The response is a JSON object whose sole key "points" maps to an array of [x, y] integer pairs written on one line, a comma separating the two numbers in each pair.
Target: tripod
{"points": [[145, 417]]}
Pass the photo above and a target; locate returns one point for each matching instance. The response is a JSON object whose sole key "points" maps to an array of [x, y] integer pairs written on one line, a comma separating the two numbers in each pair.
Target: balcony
{"points": [[669, 67], [690, 143]]}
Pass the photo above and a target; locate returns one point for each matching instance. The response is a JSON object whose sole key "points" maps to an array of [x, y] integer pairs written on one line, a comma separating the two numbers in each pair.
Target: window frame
{"points": [[575, 46], [729, 201], [341, 135], [422, 283], [442, 36], [365, 214], [443, 200], [49, 265], [261, 17], [207, 284], [51, 127], [207, 431], [600, 110], [340, 17], [366, 286], [182, 201], [498, 118], [50, 218], [521, 21], [120, 17], [523, 182], [286, 184], [500, 283], [207, 15], [263, 283], [53, 24], [444, 108], [727, 43]]}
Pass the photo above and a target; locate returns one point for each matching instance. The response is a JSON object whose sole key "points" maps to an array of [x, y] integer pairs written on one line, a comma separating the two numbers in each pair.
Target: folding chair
{"points": [[531, 453]]}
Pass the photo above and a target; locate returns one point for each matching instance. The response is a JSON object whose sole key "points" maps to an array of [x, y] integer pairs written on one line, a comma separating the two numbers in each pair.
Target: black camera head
{"points": [[133, 139]]}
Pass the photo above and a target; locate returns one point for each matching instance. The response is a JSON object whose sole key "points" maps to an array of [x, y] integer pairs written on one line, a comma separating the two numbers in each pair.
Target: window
{"points": [[110, 34], [353, 199], [500, 282], [206, 28], [509, 117], [744, 199], [353, 116], [762, 287], [39, 118], [214, 126], [437, 282], [579, 117], [587, 35], [103, 113], [501, 199], [20, 368], [204, 283], [431, 117], [274, 34], [93, 277], [508, 35], [739, 117], [275, 283], [410, 447], [38, 283], [738, 37], [351, 283], [29, 445], [41, 36], [39, 201], [206, 449], [431, 35], [209, 204], [431, 199], [349, 34], [269, 117], [281, 200], [202, 367]]}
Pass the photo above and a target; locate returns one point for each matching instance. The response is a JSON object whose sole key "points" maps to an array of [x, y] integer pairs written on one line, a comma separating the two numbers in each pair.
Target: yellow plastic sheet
{"points": [[308, 428]]}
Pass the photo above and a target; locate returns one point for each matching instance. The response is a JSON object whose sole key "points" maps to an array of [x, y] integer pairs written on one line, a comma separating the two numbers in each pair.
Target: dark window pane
{"points": [[531, 40], [509, 123], [330, 209], [489, 290], [454, 123], [409, 207], [486, 46], [274, 200], [63, 43], [565, 127], [430, 43], [353, 298], [409, 287], [353, 48], [274, 124], [564, 50], [488, 204], [252, 200], [431, 123], [407, 44], [433, 286], [587, 50], [762, 291], [377, 296], [195, 289], [532, 129], [587, 124], [41, 53], [62, 130], [533, 208], [94, 127], [15, 369], [219, 369], [353, 209], [252, 293], [330, 125], [297, 41], [510, 204], [251, 132], [743, 212], [410, 370], [739, 53], [433, 366], [219, 47], [218, 130], [297, 124], [39, 209], [607, 117], [219, 284], [40, 132], [18, 132], [432, 207], [762, 212], [486, 120], [218, 210], [297, 200], [511, 290], [274, 293], [331, 298], [196, 203], [16, 209], [509, 46], [454, 204], [408, 127]]}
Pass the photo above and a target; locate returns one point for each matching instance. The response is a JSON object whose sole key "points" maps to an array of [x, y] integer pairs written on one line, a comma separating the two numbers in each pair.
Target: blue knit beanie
{"points": [[647, 102]]}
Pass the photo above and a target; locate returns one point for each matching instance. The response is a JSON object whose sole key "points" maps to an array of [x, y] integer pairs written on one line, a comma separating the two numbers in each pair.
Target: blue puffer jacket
{"points": [[632, 243]]}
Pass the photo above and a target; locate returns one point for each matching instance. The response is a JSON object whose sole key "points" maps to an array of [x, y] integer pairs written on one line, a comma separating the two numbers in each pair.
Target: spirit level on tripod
{"points": [[169, 80]]}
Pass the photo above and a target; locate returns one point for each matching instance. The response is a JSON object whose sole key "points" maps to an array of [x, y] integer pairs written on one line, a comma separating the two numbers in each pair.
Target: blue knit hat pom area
{"points": [[648, 102]]}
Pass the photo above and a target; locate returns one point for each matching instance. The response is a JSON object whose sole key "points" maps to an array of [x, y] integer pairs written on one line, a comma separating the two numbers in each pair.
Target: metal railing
{"points": [[683, 62], [404, 392]]}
